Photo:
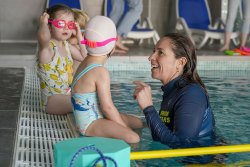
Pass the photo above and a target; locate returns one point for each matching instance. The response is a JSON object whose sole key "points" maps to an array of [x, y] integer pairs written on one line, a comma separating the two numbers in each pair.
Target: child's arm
{"points": [[78, 51], [105, 99], [45, 53]]}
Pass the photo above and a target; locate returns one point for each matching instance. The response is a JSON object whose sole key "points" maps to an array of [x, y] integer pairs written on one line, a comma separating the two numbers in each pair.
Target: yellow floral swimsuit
{"points": [[56, 76]]}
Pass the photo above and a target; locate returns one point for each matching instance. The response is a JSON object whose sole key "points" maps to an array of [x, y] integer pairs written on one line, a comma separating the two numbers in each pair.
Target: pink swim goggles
{"points": [[94, 44], [62, 24]]}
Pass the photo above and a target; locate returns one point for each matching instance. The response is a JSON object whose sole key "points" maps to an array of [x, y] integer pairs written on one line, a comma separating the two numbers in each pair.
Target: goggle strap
{"points": [[50, 21], [94, 44]]}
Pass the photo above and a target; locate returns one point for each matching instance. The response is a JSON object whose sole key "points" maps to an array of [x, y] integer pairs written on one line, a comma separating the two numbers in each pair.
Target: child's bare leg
{"points": [[132, 121], [59, 104], [111, 129]]}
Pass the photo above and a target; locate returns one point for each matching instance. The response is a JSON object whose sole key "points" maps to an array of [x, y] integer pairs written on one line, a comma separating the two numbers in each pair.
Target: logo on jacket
{"points": [[164, 115]]}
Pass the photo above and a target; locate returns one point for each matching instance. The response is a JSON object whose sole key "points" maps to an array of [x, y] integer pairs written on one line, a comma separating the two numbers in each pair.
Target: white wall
{"points": [[19, 18]]}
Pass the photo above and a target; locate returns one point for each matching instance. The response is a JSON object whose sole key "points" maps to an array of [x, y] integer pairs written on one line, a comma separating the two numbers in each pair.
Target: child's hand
{"points": [[44, 35], [78, 32], [44, 18], [76, 38], [74, 32]]}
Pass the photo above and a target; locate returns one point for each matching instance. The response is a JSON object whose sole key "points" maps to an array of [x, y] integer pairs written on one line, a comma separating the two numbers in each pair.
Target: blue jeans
{"points": [[125, 22], [232, 13]]}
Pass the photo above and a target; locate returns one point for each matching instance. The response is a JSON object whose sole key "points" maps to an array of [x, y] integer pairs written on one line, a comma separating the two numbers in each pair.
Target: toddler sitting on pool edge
{"points": [[93, 108]]}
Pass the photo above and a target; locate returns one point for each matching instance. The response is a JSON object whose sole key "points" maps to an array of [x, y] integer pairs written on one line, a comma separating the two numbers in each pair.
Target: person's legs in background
{"points": [[124, 24], [117, 11], [116, 15], [233, 6], [246, 22]]}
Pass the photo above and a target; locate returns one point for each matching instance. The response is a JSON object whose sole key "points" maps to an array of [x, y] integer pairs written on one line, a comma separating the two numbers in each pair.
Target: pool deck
{"points": [[20, 55], [13, 57]]}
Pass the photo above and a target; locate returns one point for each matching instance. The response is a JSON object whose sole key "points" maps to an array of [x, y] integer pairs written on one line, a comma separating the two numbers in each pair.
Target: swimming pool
{"points": [[229, 96]]}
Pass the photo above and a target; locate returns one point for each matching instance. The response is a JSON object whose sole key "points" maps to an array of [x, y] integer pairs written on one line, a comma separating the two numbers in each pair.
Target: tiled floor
{"points": [[11, 86]]}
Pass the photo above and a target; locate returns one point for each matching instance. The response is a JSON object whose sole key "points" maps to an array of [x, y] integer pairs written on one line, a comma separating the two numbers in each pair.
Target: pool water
{"points": [[229, 93]]}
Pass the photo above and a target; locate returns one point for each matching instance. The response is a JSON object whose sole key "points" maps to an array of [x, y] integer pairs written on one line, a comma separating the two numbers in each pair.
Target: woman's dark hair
{"points": [[59, 7], [182, 46]]}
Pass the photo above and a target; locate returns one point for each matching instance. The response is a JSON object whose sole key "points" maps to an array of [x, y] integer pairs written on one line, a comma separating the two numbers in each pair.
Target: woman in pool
{"points": [[185, 118]]}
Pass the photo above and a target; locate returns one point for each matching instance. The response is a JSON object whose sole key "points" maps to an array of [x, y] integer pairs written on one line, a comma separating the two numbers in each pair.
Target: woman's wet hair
{"points": [[59, 7], [182, 46]]}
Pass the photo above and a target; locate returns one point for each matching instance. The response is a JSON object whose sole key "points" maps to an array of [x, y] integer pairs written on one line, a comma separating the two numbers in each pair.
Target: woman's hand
{"points": [[142, 94]]}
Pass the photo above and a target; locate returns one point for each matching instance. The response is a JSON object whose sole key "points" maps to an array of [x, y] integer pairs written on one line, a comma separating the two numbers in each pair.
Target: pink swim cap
{"points": [[100, 36]]}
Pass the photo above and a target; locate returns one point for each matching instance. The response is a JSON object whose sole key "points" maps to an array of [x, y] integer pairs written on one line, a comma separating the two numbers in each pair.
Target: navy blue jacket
{"points": [[185, 118]]}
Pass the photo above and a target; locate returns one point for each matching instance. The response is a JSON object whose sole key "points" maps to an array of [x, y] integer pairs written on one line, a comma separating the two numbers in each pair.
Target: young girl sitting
{"points": [[94, 111], [54, 65]]}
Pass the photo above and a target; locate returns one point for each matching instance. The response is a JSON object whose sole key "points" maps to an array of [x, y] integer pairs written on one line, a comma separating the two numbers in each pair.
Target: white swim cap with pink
{"points": [[99, 36]]}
